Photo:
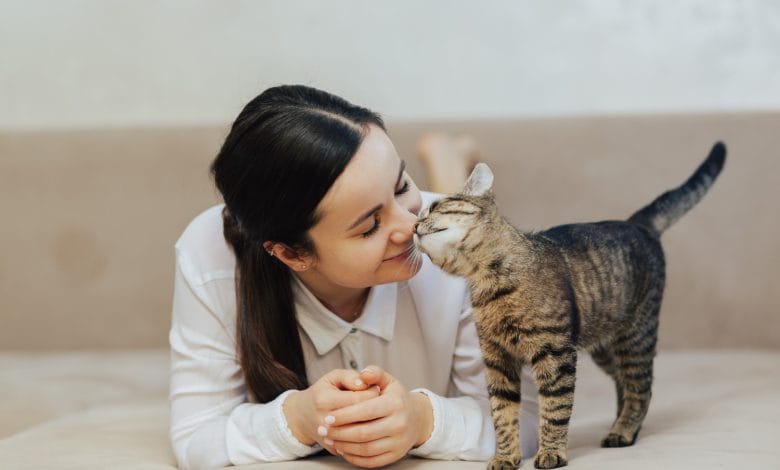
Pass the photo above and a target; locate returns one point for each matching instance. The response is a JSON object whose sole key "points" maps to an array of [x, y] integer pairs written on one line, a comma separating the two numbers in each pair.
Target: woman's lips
{"points": [[399, 257]]}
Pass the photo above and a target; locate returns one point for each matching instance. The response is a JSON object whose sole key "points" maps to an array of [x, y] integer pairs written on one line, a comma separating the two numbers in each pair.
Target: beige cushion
{"points": [[125, 436], [711, 409], [37, 387], [91, 218]]}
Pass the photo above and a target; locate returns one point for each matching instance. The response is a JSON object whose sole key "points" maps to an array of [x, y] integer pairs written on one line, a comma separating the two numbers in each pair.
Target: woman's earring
{"points": [[269, 248], [303, 266]]}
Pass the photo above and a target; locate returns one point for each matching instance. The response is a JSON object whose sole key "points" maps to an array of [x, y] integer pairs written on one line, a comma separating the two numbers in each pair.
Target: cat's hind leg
{"points": [[605, 359], [634, 353]]}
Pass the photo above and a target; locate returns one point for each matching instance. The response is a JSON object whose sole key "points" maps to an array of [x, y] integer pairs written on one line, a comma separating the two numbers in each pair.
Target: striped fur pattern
{"points": [[540, 297]]}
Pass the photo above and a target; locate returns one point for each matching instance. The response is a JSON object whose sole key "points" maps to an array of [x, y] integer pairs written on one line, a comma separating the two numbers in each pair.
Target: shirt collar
{"points": [[326, 329]]}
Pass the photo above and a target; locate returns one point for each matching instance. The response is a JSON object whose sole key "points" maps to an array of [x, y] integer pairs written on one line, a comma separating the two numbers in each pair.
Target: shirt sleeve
{"points": [[462, 425], [212, 422]]}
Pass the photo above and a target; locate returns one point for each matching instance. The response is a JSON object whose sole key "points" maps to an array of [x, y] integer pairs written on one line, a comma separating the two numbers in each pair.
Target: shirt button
{"points": [[353, 330], [353, 364]]}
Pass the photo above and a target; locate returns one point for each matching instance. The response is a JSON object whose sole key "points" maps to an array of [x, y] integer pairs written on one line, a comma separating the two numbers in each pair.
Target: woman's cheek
{"points": [[379, 250], [370, 252]]}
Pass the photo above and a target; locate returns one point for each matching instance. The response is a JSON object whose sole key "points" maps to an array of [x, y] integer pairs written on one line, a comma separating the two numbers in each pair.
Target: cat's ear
{"points": [[480, 181]]}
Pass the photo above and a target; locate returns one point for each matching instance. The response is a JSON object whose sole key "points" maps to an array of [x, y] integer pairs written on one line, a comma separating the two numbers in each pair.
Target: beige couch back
{"points": [[90, 218]]}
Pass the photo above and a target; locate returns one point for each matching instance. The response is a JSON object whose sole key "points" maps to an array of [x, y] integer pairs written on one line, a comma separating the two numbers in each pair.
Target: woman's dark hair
{"points": [[284, 151]]}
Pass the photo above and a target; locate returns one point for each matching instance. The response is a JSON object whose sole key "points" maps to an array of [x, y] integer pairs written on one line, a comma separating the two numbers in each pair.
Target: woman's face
{"points": [[364, 235]]}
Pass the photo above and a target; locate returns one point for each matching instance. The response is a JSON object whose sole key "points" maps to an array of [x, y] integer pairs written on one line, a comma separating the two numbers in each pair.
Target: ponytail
{"points": [[269, 347]]}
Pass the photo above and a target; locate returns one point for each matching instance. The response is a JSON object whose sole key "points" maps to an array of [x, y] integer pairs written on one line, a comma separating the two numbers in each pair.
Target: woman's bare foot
{"points": [[448, 160]]}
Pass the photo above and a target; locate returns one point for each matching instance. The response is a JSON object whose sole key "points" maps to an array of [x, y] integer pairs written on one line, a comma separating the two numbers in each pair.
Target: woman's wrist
{"points": [[424, 413], [290, 409]]}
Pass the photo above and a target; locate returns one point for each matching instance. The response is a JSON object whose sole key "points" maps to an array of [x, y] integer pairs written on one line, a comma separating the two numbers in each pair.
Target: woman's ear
{"points": [[290, 257]]}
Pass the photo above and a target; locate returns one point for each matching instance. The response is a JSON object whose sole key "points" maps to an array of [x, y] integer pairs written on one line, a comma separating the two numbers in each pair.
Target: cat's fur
{"points": [[538, 297]]}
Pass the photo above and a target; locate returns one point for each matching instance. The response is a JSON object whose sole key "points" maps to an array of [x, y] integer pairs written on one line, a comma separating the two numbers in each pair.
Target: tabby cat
{"points": [[538, 297]]}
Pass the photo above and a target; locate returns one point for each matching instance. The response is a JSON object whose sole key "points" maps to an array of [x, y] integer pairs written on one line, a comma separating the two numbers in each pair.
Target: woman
{"points": [[302, 317]]}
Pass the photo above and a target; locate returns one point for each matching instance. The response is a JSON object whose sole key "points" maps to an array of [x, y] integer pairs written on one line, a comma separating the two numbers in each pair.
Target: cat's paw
{"points": [[497, 463], [550, 459], [616, 440]]}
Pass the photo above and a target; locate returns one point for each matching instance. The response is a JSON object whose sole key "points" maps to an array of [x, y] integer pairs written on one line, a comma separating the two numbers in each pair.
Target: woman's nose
{"points": [[404, 228]]}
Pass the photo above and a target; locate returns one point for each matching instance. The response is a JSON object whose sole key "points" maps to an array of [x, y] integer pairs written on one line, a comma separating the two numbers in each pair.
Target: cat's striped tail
{"points": [[673, 204]]}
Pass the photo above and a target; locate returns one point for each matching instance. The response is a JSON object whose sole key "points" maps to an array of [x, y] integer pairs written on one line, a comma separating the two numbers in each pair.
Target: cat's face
{"points": [[450, 229]]}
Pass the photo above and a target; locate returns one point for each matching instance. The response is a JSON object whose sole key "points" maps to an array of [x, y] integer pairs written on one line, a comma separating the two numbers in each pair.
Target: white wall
{"points": [[95, 63]]}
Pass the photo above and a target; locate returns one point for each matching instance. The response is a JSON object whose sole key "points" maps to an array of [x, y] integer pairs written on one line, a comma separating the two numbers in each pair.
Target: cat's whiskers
{"points": [[414, 258]]}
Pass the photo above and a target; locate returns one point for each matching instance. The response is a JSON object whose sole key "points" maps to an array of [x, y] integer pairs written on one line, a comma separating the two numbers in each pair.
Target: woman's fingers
{"points": [[365, 410], [370, 454], [375, 375], [345, 379], [339, 388], [331, 400], [373, 462], [365, 449], [361, 431]]}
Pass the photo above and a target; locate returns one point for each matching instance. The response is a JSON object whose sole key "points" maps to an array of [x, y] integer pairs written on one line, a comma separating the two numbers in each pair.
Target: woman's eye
{"points": [[403, 189], [373, 229]]}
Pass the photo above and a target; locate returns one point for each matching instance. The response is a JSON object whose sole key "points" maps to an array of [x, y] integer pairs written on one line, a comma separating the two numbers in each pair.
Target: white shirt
{"points": [[420, 331]]}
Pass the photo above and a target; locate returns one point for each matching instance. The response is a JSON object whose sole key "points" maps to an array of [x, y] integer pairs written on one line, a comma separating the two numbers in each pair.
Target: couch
{"points": [[86, 271]]}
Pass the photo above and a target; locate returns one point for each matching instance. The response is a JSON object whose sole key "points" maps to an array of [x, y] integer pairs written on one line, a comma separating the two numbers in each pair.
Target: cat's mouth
{"points": [[428, 232]]}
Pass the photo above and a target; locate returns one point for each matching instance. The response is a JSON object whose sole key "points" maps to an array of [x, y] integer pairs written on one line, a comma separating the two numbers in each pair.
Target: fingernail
{"points": [[328, 441], [359, 383], [329, 419], [322, 431], [367, 369]]}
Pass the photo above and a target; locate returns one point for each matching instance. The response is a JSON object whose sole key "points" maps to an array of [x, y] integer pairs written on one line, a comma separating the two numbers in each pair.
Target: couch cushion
{"points": [[133, 435], [94, 214], [711, 409], [37, 387]]}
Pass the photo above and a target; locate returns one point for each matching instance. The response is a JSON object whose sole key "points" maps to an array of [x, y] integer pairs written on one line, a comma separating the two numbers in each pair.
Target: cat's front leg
{"points": [[502, 375], [555, 372]]}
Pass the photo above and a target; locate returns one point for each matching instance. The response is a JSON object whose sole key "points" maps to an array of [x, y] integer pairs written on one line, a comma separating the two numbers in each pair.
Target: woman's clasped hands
{"points": [[368, 418]]}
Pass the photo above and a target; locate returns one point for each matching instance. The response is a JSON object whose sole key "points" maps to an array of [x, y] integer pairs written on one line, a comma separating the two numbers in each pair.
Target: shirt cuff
{"points": [[282, 429], [433, 446]]}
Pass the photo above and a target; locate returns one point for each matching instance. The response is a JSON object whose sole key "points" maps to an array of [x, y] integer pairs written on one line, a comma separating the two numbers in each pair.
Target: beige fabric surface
{"points": [[36, 387], [90, 217], [711, 409]]}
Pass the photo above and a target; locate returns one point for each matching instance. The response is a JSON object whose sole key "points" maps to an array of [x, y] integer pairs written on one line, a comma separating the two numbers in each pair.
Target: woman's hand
{"points": [[305, 410], [380, 430]]}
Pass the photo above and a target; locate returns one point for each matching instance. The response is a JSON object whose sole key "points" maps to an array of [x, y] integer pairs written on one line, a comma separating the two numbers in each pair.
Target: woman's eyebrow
{"points": [[400, 172], [378, 207]]}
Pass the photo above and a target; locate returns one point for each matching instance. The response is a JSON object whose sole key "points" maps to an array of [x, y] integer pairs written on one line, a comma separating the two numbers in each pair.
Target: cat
{"points": [[539, 297]]}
